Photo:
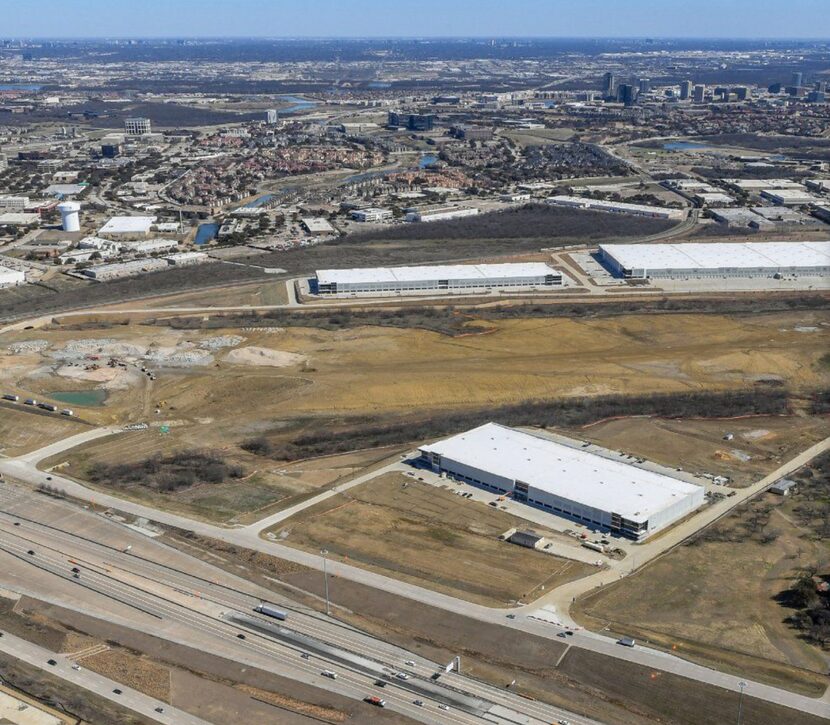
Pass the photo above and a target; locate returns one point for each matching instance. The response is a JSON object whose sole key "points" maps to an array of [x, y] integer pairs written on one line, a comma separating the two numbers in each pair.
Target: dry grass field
{"points": [[428, 536], [758, 444], [714, 600], [22, 431]]}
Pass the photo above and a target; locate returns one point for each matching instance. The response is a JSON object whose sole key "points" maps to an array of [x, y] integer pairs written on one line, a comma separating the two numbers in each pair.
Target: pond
{"points": [[206, 232], [87, 398], [427, 160]]}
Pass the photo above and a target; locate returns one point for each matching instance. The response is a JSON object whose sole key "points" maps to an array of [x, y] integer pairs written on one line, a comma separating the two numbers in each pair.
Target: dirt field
{"points": [[428, 536], [758, 445], [261, 293], [22, 431], [714, 599]]}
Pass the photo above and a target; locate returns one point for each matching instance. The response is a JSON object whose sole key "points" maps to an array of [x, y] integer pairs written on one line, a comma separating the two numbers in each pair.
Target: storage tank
{"points": [[70, 216]]}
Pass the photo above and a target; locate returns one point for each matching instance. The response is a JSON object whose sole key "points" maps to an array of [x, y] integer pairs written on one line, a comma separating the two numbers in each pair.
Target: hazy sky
{"points": [[363, 18]]}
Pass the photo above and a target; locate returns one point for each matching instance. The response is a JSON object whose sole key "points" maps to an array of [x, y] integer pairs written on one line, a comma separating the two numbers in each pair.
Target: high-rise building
{"points": [[685, 90], [700, 93], [137, 126], [4, 162], [775, 88], [272, 116], [609, 85], [820, 86], [797, 79], [627, 94], [644, 85], [742, 93]]}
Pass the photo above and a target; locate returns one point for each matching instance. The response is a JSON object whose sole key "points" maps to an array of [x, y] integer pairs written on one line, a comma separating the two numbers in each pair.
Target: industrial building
{"points": [[439, 278], [137, 126], [11, 277], [748, 259], [371, 214], [565, 480], [434, 214], [18, 219], [317, 226], [789, 197], [127, 226], [616, 207]]}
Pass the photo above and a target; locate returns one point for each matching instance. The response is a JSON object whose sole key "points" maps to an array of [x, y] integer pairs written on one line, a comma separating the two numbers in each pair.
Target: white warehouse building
{"points": [[616, 207], [441, 278], [563, 480], [747, 259]]}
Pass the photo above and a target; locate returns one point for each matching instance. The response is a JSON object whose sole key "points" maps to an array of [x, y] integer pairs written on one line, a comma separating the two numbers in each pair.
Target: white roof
{"points": [[11, 275], [757, 184], [748, 255], [571, 473], [317, 224], [127, 225], [603, 204], [423, 274], [64, 189], [14, 218]]}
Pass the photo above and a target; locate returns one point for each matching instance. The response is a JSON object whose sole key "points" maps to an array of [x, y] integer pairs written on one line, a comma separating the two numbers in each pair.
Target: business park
{"points": [[566, 481]]}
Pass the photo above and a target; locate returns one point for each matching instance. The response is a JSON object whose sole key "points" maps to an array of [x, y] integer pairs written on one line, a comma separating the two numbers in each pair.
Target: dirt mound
{"points": [[264, 356]]}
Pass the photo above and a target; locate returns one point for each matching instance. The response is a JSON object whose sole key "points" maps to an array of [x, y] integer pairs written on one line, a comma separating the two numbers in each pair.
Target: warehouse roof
{"points": [[747, 255], [128, 225], [570, 473], [426, 273]]}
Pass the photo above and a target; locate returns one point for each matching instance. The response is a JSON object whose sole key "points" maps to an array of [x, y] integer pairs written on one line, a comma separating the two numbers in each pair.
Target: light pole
{"points": [[741, 684], [325, 552]]}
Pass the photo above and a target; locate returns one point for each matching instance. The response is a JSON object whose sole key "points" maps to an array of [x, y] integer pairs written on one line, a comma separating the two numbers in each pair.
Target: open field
{"points": [[22, 431], [260, 293], [413, 531], [717, 598], [759, 444], [265, 486]]}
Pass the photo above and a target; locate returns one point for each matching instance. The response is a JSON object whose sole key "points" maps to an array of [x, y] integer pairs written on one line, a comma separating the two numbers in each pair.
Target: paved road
{"points": [[24, 468], [131, 699]]}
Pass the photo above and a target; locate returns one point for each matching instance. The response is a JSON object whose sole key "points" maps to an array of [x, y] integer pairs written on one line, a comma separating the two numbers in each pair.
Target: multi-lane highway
{"points": [[213, 607]]}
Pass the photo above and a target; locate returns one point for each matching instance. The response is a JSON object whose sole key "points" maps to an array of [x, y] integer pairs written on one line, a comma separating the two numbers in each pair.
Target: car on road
{"points": [[442, 706], [419, 703], [30, 552], [373, 700], [51, 662], [563, 722], [410, 663], [402, 676], [159, 709], [562, 634], [240, 636], [76, 666], [76, 570], [117, 690], [304, 655], [380, 683], [328, 673], [626, 641]]}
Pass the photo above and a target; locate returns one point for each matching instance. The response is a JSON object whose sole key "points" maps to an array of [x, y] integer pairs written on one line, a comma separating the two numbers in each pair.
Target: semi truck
{"points": [[269, 610]]}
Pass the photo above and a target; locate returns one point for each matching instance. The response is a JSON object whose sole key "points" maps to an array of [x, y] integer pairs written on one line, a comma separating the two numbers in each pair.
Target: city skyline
{"points": [[739, 19]]}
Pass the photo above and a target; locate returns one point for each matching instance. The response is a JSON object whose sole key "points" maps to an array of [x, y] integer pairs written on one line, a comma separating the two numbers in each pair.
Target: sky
{"points": [[420, 18]]}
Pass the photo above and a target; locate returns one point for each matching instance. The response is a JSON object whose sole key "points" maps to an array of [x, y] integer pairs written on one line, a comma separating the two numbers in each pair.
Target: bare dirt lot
{"points": [[716, 598], [419, 533]]}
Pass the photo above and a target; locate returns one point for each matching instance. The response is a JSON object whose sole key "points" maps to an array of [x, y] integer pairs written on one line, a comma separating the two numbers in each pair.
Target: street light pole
{"points": [[325, 552], [741, 684]]}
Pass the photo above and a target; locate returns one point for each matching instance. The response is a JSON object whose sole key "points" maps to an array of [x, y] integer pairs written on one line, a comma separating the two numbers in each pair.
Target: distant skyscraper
{"points": [[137, 126], [4, 162], [821, 86], [645, 85], [774, 88], [609, 85], [797, 79], [685, 90], [627, 94], [742, 93], [271, 116], [700, 93]]}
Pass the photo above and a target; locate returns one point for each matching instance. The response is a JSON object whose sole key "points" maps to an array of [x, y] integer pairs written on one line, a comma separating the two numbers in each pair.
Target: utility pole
{"points": [[741, 684], [325, 552]]}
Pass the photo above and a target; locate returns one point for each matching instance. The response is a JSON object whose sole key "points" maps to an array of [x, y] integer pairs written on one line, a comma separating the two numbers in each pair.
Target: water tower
{"points": [[70, 218]]}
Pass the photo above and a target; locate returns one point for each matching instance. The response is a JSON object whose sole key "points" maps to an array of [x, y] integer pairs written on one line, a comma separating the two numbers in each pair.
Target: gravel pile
{"points": [[27, 346]]}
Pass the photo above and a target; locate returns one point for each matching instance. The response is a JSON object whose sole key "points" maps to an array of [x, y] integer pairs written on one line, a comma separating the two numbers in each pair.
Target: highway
{"points": [[25, 468], [129, 698], [215, 609]]}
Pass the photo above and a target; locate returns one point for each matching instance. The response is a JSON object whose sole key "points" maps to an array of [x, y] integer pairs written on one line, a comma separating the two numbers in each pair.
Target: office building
{"points": [[441, 278], [609, 85], [644, 85], [137, 126], [4, 162], [272, 116], [797, 79], [564, 479], [372, 214], [627, 94], [699, 93], [685, 90]]}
